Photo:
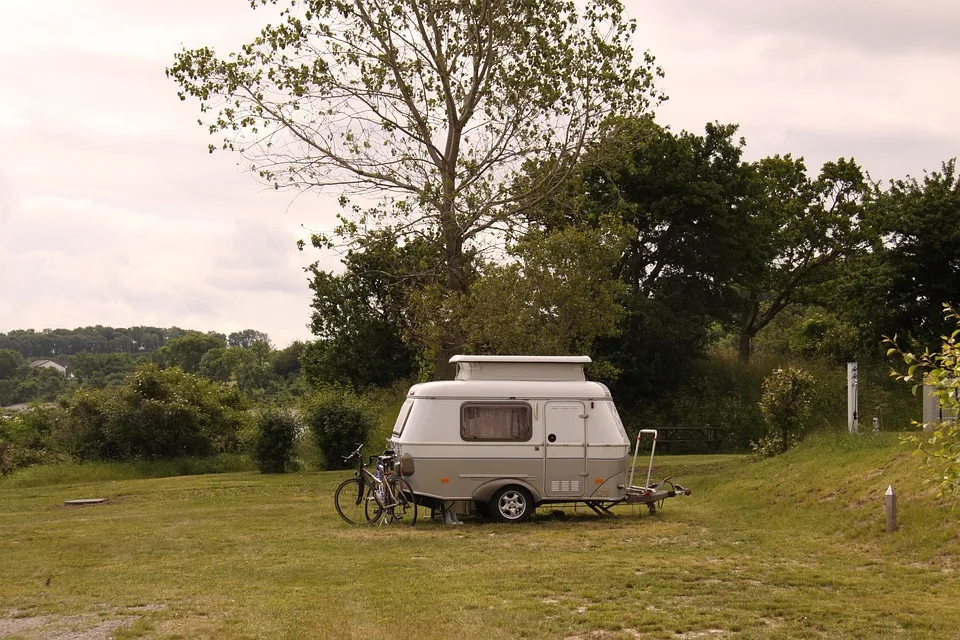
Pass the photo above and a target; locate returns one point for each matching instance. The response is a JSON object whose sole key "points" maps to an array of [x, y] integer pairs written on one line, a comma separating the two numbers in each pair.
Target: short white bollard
{"points": [[891, 509]]}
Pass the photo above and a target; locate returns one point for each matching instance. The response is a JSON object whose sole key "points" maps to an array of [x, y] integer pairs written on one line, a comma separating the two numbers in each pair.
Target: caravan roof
{"points": [[506, 389], [530, 368]]}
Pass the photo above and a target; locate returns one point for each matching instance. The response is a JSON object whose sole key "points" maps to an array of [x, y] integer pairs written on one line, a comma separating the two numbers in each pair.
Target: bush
{"points": [[785, 407], [25, 438], [338, 420], [155, 414], [276, 435], [940, 445]]}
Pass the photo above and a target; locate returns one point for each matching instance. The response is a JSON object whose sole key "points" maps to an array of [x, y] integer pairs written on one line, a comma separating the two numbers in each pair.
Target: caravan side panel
{"points": [[451, 468]]}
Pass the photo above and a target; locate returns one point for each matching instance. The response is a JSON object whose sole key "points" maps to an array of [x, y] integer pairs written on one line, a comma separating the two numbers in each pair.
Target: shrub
{"points": [[940, 445], [338, 420], [155, 414], [276, 435], [785, 407], [25, 438]]}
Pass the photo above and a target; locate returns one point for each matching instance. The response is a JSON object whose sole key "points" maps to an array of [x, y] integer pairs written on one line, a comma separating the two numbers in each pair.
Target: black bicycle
{"points": [[370, 497]]}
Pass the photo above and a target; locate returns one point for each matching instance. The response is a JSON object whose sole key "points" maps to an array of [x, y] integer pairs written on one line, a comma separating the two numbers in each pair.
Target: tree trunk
{"points": [[744, 347], [748, 328], [442, 369], [457, 283]]}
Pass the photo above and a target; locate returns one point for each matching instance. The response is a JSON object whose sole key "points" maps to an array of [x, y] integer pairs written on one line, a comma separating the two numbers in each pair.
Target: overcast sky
{"points": [[112, 212]]}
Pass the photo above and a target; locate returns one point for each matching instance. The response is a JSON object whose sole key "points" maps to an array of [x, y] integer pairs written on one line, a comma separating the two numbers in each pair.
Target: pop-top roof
{"points": [[520, 367]]}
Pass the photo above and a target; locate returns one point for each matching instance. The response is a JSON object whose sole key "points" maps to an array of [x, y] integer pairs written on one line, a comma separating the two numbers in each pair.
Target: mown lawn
{"points": [[788, 548]]}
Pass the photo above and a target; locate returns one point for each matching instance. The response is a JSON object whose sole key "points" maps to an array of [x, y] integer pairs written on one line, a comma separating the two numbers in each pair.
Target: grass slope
{"points": [[792, 547]]}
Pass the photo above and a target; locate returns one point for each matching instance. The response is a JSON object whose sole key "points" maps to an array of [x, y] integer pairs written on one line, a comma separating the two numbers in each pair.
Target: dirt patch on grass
{"points": [[607, 635], [52, 627], [88, 626]]}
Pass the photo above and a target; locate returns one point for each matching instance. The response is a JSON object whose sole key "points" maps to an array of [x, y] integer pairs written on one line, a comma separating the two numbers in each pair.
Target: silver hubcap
{"points": [[512, 504]]}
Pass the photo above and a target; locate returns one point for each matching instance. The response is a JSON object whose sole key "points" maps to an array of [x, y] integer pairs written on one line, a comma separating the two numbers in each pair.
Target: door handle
{"points": [[552, 437]]}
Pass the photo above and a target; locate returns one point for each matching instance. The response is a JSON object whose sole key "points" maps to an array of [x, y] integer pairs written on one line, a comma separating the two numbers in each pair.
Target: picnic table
{"points": [[709, 436]]}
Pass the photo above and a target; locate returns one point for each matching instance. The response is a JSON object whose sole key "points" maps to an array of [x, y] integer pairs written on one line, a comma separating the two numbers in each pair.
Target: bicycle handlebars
{"points": [[356, 451]]}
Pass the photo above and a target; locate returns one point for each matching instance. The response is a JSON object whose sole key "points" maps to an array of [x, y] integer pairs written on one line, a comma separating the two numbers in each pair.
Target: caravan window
{"points": [[402, 418], [503, 421]]}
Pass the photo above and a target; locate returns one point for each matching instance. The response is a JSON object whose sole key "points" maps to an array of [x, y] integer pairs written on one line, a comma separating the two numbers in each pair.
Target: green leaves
{"points": [[433, 107], [785, 406], [940, 441]]}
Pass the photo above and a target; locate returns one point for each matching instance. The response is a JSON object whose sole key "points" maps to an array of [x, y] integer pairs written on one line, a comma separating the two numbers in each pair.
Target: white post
{"points": [[891, 509], [853, 422]]}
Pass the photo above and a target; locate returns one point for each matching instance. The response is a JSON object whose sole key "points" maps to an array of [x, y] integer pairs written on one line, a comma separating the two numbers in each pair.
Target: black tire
{"points": [[352, 500], [511, 504], [405, 510]]}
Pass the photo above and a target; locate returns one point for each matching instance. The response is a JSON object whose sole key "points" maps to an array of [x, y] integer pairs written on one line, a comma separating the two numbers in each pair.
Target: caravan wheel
{"points": [[511, 504]]}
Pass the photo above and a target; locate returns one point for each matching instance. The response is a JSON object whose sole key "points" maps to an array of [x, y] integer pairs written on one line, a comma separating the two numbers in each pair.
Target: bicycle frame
{"points": [[377, 484]]}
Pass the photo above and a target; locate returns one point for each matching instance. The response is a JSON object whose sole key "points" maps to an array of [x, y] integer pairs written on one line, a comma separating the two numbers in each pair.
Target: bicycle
{"points": [[367, 497]]}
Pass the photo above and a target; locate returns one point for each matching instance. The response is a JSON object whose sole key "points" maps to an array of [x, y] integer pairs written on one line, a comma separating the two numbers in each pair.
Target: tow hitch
{"points": [[651, 495]]}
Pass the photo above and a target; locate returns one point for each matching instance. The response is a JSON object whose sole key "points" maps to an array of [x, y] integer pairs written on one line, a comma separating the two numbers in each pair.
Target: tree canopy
{"points": [[912, 266], [434, 107], [802, 226]]}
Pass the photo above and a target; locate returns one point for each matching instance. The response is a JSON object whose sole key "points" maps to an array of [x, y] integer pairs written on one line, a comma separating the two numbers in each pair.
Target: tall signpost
{"points": [[853, 422]]}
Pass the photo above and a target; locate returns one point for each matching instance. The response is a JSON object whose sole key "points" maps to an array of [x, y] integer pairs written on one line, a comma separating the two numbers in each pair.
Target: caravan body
{"points": [[513, 427]]}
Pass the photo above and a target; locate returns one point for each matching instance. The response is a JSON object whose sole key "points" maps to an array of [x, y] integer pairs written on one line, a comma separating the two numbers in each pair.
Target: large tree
{"points": [[361, 315], [802, 226], [433, 106], [913, 265], [682, 197]]}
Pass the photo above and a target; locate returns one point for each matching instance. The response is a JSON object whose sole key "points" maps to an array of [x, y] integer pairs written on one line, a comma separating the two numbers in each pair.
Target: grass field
{"points": [[792, 547]]}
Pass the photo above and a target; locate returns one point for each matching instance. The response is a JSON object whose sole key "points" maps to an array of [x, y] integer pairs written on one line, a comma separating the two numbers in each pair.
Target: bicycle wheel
{"points": [[405, 507], [351, 500]]}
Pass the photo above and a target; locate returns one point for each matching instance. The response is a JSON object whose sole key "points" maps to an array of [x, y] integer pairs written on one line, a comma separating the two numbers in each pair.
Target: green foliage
{"points": [[361, 315], [247, 338], [187, 351], [248, 367], [681, 197], [101, 369], [216, 365], [51, 343], [558, 297], [939, 443], [25, 438], [439, 127], [722, 393], [252, 367], [286, 362], [812, 332], [10, 361], [33, 384], [785, 407], [154, 414], [338, 420], [277, 431], [801, 227], [914, 263]]}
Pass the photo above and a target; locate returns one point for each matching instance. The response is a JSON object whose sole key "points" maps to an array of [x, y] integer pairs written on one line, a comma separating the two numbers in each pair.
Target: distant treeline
{"points": [[57, 343]]}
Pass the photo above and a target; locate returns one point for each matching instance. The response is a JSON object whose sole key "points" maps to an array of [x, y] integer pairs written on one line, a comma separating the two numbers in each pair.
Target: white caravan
{"points": [[514, 432]]}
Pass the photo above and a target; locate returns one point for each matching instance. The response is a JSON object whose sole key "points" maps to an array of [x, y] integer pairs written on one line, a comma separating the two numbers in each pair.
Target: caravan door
{"points": [[565, 449]]}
